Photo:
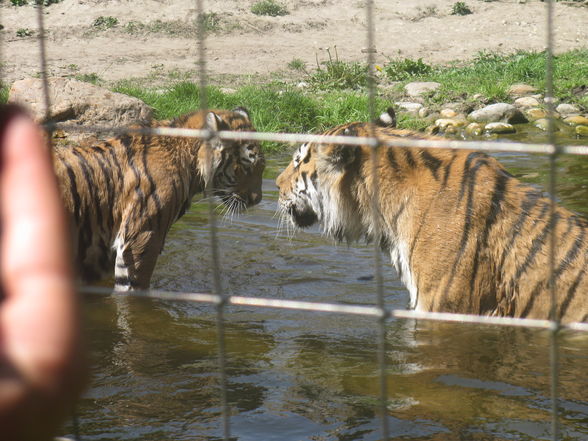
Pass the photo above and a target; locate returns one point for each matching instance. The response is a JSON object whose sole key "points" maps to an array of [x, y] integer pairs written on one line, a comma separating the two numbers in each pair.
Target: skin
{"points": [[41, 362]]}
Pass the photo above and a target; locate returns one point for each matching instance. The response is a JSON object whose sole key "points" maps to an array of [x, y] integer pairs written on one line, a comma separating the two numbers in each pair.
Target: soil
{"points": [[157, 39]]}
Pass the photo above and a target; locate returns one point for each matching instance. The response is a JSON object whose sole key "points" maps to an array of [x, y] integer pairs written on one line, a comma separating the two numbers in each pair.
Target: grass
{"points": [[24, 32], [92, 78], [336, 74], [491, 75], [269, 7], [337, 89], [4, 89], [297, 64], [460, 8], [105, 22], [210, 21], [274, 107]]}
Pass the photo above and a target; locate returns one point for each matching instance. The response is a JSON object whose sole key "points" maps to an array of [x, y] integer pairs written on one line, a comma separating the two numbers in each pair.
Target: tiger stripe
{"points": [[465, 235], [123, 194]]}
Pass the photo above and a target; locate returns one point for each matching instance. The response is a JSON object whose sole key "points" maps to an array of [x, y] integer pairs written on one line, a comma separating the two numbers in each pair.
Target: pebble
{"points": [[526, 101], [567, 109], [536, 113], [499, 128], [543, 124], [444, 123], [418, 88], [521, 89], [582, 131], [424, 112], [576, 121], [412, 108], [498, 112], [474, 129], [448, 113]]}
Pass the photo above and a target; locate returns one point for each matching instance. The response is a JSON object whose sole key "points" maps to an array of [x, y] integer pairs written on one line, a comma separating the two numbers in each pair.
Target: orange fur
{"points": [[124, 194], [464, 234]]}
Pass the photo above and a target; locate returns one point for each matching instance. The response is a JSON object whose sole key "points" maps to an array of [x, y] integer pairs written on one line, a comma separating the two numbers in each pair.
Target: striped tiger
{"points": [[124, 194], [464, 235]]}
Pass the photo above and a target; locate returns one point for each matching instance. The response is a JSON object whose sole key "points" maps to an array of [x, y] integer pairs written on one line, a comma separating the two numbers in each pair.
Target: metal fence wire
{"points": [[378, 311]]}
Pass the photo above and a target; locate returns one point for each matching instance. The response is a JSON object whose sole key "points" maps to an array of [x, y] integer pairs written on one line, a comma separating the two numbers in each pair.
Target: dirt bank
{"points": [[155, 38]]}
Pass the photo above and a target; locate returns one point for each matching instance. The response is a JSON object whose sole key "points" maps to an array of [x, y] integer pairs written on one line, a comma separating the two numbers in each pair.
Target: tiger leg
{"points": [[135, 260]]}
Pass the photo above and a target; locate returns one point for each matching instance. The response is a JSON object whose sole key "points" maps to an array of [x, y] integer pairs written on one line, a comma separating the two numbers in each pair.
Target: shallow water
{"points": [[296, 376]]}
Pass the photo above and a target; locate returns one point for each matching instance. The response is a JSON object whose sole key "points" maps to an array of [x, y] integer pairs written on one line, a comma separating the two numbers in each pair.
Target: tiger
{"points": [[464, 235], [123, 194]]}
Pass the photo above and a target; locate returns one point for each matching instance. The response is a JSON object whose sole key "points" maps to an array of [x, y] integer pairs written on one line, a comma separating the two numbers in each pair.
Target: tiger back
{"points": [[464, 235], [124, 194]]}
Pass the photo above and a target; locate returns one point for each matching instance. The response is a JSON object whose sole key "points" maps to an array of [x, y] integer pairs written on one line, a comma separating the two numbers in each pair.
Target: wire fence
{"points": [[378, 311]]}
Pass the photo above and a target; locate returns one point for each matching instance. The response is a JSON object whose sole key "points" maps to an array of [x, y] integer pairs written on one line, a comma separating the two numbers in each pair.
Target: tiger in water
{"points": [[464, 234], [124, 194]]}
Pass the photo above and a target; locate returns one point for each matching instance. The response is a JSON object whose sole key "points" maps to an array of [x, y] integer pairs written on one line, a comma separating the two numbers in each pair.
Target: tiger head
{"points": [[314, 186], [231, 168]]}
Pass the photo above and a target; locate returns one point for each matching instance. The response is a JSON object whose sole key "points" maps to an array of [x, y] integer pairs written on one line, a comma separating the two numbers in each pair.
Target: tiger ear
{"points": [[243, 112], [213, 121], [338, 156], [387, 119]]}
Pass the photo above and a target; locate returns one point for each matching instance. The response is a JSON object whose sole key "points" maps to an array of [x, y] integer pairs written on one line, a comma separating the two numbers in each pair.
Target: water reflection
{"points": [[308, 376]]}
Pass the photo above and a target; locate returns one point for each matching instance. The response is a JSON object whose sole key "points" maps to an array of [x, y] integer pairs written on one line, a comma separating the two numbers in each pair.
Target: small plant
{"points": [[46, 2], [297, 64], [18, 2], [336, 74], [24, 32], [269, 7], [105, 22], [460, 8], [403, 69], [210, 21], [89, 78], [422, 13]]}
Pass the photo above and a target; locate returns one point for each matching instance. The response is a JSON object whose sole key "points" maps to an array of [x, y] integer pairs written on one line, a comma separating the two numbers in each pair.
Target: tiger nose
{"points": [[255, 198]]}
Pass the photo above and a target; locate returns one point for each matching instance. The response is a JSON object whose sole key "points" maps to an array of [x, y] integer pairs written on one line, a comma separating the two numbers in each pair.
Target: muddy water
{"points": [[296, 376]]}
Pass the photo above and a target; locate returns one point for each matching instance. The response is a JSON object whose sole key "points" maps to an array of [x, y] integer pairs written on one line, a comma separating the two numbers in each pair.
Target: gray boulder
{"points": [[502, 112], [78, 102], [417, 88]]}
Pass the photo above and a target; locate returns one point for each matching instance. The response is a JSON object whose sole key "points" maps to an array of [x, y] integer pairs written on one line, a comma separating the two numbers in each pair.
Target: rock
{"points": [[448, 113], [424, 112], [412, 108], [526, 101], [498, 112], [474, 129], [521, 90], [421, 88], [582, 131], [576, 121], [448, 125], [499, 128], [536, 113], [78, 102], [230, 90], [567, 109], [543, 124]]}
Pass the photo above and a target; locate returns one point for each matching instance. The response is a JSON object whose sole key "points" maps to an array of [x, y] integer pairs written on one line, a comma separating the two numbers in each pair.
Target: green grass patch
{"points": [[337, 93], [269, 7], [103, 22], [4, 89], [274, 107], [460, 8], [491, 75]]}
